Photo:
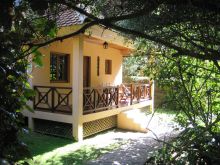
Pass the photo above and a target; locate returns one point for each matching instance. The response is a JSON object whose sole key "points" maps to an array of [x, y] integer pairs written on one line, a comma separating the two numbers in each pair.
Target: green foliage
{"points": [[138, 63], [37, 58], [18, 26], [194, 33], [133, 66], [193, 146], [193, 90], [13, 95], [45, 27]]}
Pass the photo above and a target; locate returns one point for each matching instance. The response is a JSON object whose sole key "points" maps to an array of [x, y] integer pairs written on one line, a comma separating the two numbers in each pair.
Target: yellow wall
{"points": [[109, 36], [95, 50], [41, 76]]}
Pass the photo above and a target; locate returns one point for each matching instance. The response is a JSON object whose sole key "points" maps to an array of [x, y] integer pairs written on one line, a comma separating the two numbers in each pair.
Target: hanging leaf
{"points": [[38, 58]]}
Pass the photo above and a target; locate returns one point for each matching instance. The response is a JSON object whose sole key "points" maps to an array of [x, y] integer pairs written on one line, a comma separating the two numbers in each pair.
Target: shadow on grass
{"points": [[39, 144], [80, 156], [166, 111]]}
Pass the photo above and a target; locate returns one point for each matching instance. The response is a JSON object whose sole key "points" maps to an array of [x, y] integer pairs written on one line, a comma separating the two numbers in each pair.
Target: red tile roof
{"points": [[69, 17], [66, 17]]}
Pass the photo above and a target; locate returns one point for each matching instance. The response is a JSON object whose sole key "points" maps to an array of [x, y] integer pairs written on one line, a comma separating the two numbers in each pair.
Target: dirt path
{"points": [[139, 146]]}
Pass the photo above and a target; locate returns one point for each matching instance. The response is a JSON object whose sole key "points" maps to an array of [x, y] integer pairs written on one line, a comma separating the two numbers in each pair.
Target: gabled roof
{"points": [[67, 17]]}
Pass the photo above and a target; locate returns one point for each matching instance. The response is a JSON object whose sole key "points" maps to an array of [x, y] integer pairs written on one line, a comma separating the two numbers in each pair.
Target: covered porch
{"points": [[102, 107]]}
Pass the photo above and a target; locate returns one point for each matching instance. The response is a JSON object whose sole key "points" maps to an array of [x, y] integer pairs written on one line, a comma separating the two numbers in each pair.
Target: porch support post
{"points": [[30, 123], [152, 96], [77, 87]]}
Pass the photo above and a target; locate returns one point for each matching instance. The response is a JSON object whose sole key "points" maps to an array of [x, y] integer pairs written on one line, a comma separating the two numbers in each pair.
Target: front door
{"points": [[86, 71]]}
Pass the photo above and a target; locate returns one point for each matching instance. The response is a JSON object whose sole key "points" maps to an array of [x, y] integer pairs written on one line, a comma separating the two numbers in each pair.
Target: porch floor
{"points": [[65, 109]]}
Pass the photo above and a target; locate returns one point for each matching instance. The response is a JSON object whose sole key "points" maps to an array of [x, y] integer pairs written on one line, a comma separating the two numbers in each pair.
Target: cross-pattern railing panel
{"points": [[99, 99], [57, 99], [134, 93]]}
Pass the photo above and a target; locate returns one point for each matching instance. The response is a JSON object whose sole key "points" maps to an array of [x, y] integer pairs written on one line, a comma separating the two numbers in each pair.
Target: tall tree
{"points": [[18, 26]]}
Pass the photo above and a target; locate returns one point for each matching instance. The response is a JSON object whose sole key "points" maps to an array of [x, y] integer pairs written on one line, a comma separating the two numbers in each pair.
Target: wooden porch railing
{"points": [[59, 99], [54, 99], [134, 93], [99, 99]]}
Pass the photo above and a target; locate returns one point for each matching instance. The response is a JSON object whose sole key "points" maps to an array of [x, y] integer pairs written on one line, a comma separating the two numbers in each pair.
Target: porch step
{"points": [[134, 120]]}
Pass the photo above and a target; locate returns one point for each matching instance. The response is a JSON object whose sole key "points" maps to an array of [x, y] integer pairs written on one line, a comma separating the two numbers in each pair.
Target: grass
{"points": [[160, 111], [166, 111], [49, 150], [77, 157], [40, 144]]}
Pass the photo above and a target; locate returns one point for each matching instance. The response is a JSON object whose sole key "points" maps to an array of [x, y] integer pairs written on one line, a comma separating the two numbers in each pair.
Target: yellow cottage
{"points": [[79, 89]]}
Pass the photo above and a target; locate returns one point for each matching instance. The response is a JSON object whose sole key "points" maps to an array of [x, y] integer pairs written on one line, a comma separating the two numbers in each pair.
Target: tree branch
{"points": [[148, 7], [41, 44], [216, 64], [109, 23], [81, 30], [181, 51]]}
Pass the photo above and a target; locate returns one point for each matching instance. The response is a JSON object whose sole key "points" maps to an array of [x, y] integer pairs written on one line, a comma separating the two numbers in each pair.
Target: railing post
{"points": [[94, 99], [107, 97], [117, 96], [34, 102], [149, 89], [52, 98], [139, 93], [131, 88], [144, 90]]}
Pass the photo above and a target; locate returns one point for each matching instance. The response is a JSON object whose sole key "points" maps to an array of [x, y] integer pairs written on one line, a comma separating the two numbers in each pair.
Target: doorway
{"points": [[86, 71]]}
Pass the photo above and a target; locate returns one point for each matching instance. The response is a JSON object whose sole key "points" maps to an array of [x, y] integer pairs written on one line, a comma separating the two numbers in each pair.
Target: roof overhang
{"points": [[99, 35], [125, 51], [109, 36]]}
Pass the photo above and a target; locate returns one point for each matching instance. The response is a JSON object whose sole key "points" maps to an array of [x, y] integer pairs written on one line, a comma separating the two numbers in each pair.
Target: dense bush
{"points": [[194, 90]]}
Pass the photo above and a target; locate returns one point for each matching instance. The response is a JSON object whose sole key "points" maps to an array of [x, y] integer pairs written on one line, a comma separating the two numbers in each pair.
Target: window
{"points": [[59, 67], [108, 66]]}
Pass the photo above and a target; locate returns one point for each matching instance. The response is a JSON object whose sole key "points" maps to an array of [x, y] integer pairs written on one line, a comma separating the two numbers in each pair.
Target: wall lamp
{"points": [[105, 45]]}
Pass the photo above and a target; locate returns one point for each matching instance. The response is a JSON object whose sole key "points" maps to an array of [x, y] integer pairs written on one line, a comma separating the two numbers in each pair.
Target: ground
{"points": [[111, 147]]}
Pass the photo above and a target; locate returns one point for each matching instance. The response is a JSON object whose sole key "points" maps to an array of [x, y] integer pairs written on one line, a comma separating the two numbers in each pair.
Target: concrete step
{"points": [[133, 120]]}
